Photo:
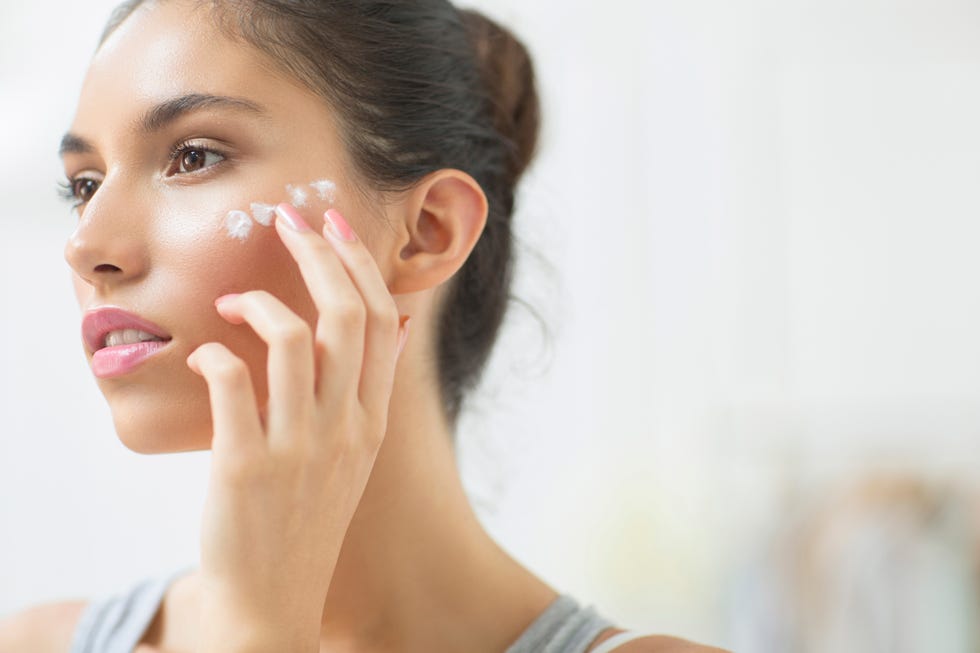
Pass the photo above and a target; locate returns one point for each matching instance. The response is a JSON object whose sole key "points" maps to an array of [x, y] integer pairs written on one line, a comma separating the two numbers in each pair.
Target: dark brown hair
{"points": [[418, 86]]}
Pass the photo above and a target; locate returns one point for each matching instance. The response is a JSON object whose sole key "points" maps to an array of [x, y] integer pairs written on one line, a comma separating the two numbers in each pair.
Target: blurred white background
{"points": [[758, 222]]}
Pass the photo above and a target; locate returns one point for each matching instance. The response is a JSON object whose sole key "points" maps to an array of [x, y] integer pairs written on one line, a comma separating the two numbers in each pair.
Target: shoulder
{"points": [[662, 644], [658, 644], [45, 628]]}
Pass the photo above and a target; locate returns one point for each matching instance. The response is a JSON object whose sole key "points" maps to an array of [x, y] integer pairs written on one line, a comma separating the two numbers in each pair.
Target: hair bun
{"points": [[508, 75]]}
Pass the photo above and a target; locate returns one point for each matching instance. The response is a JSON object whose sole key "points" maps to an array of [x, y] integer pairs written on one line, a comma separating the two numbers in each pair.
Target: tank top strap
{"points": [[116, 624], [564, 627], [616, 641]]}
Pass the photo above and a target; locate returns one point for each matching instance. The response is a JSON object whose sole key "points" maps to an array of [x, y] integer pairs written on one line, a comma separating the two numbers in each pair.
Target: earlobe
{"points": [[444, 217]]}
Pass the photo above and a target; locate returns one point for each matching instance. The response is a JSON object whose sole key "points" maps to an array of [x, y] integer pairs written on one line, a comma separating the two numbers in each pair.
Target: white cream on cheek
{"points": [[325, 189], [264, 214], [298, 195], [239, 223]]}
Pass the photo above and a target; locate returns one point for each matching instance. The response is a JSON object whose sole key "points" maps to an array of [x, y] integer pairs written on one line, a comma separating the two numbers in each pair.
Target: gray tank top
{"points": [[116, 624]]}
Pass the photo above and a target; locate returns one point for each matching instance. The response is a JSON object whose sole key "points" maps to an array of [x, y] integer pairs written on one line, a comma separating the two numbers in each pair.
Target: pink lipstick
{"points": [[119, 340]]}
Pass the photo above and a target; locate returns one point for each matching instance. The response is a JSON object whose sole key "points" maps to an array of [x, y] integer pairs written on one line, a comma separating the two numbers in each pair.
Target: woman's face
{"points": [[177, 125]]}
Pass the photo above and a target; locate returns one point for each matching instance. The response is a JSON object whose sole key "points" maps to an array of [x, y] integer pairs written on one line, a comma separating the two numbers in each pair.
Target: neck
{"points": [[417, 570]]}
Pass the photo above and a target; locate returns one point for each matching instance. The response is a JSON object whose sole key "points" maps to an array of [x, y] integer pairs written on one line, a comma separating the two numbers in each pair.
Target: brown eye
{"points": [[194, 159], [84, 189]]}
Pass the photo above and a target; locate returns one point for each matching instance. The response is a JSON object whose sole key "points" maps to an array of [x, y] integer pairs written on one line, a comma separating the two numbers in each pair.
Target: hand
{"points": [[284, 484]]}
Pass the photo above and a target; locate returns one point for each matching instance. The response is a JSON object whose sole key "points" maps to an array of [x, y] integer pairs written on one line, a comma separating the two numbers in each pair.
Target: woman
{"points": [[268, 194]]}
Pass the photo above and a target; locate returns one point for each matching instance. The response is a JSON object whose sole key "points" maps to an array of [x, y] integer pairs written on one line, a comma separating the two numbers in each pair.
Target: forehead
{"points": [[166, 49]]}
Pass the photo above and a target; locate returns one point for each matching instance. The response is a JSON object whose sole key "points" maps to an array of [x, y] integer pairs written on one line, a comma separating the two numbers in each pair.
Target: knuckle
{"points": [[387, 317], [231, 371], [321, 246], [258, 296], [294, 334], [351, 312]]}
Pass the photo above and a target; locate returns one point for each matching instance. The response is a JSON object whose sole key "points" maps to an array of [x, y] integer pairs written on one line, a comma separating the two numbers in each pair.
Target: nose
{"points": [[106, 247]]}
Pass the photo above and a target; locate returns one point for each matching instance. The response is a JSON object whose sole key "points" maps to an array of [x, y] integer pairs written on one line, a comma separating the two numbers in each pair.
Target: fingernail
{"points": [[224, 298], [338, 226], [403, 334], [292, 217]]}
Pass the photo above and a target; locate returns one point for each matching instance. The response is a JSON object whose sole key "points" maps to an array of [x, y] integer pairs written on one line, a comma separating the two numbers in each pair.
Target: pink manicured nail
{"points": [[224, 298], [338, 226], [292, 217]]}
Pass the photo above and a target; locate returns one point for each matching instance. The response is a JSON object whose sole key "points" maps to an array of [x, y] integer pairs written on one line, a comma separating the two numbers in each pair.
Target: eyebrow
{"points": [[72, 144], [165, 113], [170, 110]]}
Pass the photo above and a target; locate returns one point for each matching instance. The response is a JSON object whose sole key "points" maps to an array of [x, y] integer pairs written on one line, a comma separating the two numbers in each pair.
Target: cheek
{"points": [[217, 240], [195, 262], [210, 262], [192, 261]]}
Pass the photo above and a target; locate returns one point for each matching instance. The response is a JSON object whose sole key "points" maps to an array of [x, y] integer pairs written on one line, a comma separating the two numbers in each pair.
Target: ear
{"points": [[443, 216]]}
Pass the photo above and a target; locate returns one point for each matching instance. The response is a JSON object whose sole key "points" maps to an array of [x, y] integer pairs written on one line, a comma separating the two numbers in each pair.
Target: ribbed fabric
{"points": [[564, 627], [117, 624], [616, 641]]}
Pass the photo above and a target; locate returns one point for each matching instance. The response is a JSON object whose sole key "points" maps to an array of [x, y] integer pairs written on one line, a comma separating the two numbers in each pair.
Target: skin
{"points": [[414, 544], [335, 517]]}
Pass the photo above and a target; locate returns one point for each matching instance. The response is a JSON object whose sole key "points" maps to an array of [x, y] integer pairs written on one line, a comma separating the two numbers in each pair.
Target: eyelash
{"points": [[67, 186], [66, 191]]}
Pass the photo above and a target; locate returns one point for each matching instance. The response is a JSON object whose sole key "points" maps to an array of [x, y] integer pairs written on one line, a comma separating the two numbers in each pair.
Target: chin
{"points": [[154, 425]]}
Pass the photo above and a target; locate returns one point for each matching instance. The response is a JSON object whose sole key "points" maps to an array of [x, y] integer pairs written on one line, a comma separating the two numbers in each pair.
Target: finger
{"points": [[383, 328], [342, 314], [290, 362], [234, 415]]}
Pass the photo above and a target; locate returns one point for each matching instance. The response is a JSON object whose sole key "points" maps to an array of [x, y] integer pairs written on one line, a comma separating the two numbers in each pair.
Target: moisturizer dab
{"points": [[325, 189], [298, 195], [264, 214], [239, 224]]}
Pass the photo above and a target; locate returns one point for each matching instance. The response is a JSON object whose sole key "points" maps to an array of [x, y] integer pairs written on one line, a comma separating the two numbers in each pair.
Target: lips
{"points": [[131, 340], [100, 322]]}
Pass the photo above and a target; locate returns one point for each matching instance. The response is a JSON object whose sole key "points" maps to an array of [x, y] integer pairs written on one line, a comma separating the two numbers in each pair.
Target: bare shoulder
{"points": [[45, 628], [662, 644], [653, 644]]}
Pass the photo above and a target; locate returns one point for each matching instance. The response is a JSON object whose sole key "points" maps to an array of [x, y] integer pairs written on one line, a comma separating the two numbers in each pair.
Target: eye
{"points": [[198, 159], [188, 158], [79, 190], [84, 189]]}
